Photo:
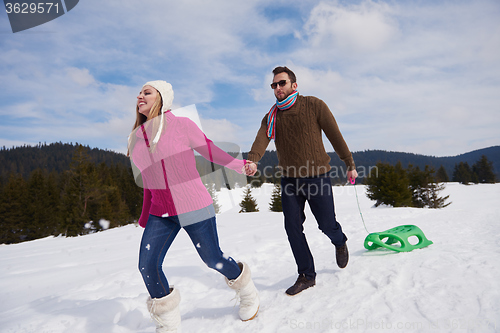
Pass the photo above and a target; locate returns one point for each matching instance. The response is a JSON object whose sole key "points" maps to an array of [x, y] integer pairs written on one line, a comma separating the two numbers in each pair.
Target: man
{"points": [[296, 124]]}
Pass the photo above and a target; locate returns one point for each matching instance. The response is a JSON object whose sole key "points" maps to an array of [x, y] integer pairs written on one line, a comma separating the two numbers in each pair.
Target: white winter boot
{"points": [[245, 289], [165, 312]]}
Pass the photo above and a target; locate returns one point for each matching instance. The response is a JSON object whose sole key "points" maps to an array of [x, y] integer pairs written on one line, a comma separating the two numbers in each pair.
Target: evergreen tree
{"points": [[13, 213], [425, 189], [419, 181], [248, 204], [54, 202], [483, 169], [82, 186], [129, 191], [44, 205], [463, 173], [442, 175], [275, 205], [434, 201], [397, 187], [111, 206], [391, 187], [37, 203]]}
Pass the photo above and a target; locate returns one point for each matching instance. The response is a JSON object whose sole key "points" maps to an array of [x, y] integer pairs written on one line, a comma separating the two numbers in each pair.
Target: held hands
{"points": [[250, 168]]}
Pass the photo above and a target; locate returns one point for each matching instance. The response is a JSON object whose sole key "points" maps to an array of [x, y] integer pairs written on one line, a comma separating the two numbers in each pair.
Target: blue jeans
{"points": [[159, 234], [317, 191]]}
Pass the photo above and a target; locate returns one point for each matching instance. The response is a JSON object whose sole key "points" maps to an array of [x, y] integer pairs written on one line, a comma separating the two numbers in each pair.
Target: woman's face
{"points": [[146, 99]]}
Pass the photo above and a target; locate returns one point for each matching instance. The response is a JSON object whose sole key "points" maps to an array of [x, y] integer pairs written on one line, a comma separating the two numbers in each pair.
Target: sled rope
{"points": [[353, 181]]}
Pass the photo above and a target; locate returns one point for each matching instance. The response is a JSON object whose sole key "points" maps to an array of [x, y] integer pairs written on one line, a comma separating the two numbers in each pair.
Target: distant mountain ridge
{"points": [[369, 158], [51, 157], [57, 157], [448, 162]]}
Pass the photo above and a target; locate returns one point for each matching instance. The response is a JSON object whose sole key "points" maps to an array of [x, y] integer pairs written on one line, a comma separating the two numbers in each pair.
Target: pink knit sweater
{"points": [[172, 184]]}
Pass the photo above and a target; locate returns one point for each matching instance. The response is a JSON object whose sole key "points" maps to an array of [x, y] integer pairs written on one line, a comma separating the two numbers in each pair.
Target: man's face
{"points": [[282, 92]]}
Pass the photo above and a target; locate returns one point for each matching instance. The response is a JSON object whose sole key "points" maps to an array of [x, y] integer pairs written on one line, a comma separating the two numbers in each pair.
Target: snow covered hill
{"points": [[91, 284]]}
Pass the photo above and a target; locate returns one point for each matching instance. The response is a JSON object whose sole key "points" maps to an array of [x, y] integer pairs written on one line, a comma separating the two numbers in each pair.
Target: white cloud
{"points": [[327, 85], [220, 130], [386, 69], [424, 83], [366, 27], [69, 105], [80, 76]]}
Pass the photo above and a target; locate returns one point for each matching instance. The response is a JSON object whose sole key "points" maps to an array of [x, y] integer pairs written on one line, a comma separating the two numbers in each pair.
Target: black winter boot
{"points": [[342, 254], [299, 285]]}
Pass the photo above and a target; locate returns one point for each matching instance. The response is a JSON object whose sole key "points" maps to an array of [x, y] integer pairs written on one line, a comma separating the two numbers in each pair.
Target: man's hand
{"points": [[250, 168], [353, 174]]}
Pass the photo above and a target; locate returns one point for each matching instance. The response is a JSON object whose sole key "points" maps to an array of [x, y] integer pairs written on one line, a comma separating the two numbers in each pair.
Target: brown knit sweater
{"points": [[299, 143]]}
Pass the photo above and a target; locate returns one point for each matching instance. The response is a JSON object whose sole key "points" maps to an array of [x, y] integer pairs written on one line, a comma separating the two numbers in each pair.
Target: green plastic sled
{"points": [[395, 235]]}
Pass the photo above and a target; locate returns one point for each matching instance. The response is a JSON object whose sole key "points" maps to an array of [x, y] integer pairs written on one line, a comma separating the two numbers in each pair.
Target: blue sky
{"points": [[413, 76]]}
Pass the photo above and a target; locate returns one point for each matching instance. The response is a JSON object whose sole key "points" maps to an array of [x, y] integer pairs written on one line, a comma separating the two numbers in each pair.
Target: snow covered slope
{"points": [[91, 284]]}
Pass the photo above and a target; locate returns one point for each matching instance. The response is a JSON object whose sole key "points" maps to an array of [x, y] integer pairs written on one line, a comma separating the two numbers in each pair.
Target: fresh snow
{"points": [[91, 284]]}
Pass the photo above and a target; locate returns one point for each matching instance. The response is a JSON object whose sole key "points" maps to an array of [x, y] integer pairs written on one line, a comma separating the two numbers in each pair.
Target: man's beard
{"points": [[282, 99]]}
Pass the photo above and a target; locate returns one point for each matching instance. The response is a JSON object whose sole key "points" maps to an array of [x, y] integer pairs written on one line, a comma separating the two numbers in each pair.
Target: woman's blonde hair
{"points": [[141, 119]]}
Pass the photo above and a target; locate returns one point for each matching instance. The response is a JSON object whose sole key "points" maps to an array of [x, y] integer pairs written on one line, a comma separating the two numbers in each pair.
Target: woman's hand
{"points": [[250, 168]]}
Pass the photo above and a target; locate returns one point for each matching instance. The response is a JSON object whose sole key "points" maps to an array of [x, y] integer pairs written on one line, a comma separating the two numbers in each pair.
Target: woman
{"points": [[161, 147]]}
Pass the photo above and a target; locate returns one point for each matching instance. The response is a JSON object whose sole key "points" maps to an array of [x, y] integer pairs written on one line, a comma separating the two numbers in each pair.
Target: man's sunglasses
{"points": [[281, 83]]}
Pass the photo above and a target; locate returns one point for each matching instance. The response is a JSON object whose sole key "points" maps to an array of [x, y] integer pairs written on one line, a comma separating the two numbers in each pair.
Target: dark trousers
{"points": [[317, 191]]}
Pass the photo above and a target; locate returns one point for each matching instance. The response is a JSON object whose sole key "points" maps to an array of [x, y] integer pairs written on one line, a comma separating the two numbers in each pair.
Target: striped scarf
{"points": [[283, 105]]}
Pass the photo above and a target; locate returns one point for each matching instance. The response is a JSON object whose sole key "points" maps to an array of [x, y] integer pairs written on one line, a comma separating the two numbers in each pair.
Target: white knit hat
{"points": [[167, 96]]}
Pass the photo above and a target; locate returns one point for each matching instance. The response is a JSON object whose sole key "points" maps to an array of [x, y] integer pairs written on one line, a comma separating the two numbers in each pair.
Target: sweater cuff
{"points": [[236, 165], [146, 205], [143, 220], [253, 157], [350, 164]]}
